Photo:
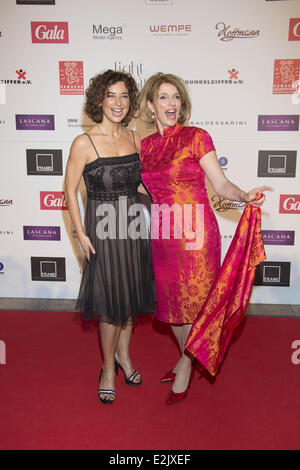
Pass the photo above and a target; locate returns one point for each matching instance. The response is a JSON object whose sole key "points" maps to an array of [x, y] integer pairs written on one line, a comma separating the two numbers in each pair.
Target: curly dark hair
{"points": [[97, 89]]}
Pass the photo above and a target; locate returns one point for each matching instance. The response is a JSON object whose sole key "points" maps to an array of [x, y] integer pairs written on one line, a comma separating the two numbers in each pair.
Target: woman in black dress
{"points": [[117, 281]]}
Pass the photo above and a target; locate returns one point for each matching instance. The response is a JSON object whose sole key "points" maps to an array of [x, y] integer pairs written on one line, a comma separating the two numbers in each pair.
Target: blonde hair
{"points": [[150, 92]]}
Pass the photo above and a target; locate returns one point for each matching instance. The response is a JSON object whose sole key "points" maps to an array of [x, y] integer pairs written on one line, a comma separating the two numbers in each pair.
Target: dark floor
{"points": [[67, 305]]}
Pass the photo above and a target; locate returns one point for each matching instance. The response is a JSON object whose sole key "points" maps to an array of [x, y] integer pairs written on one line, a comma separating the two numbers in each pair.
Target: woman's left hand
{"points": [[252, 195]]}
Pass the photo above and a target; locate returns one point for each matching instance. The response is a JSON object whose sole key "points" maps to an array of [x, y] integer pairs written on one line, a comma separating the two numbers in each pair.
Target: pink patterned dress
{"points": [[172, 174]]}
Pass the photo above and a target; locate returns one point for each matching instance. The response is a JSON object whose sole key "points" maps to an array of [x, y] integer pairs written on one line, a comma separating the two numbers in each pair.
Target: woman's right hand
{"points": [[86, 246]]}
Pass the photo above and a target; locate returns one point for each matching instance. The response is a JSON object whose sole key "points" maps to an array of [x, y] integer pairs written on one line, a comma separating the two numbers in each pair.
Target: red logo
{"points": [[289, 204], [71, 77], [294, 29], [286, 76], [53, 201], [49, 32], [233, 74]]}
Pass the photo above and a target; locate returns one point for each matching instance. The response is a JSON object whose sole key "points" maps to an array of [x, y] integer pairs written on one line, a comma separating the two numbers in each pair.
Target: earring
{"points": [[153, 115]]}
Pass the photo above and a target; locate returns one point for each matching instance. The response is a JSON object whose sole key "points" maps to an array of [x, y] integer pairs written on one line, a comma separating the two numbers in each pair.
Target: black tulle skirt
{"points": [[117, 283]]}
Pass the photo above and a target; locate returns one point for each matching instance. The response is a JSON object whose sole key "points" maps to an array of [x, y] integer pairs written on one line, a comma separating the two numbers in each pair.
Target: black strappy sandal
{"points": [[106, 401], [128, 380]]}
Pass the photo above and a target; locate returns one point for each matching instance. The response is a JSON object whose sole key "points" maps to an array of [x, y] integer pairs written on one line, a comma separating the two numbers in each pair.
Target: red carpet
{"points": [[49, 390]]}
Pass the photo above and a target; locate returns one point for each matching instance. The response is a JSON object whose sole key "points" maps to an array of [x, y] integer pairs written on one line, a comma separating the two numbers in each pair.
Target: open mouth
{"points": [[171, 114]]}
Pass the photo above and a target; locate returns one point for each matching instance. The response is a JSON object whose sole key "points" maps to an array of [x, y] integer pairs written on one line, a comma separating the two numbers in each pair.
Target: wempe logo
{"points": [[53, 200], [286, 76], [49, 32], [170, 29], [107, 32], [294, 29], [278, 123], [277, 163], [278, 237], [47, 233], [289, 204], [227, 33]]}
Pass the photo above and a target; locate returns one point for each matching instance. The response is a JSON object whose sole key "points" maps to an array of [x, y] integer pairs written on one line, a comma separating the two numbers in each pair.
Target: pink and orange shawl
{"points": [[227, 301]]}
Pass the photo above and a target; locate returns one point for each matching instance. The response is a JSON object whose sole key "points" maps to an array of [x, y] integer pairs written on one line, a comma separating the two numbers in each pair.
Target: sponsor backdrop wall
{"points": [[240, 60]]}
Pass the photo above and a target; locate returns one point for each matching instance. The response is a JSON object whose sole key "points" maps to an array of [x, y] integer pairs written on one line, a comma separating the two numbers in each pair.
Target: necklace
{"points": [[118, 138]]}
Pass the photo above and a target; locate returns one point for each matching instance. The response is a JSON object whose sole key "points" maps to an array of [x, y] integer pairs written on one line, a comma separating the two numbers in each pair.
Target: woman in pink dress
{"points": [[186, 260]]}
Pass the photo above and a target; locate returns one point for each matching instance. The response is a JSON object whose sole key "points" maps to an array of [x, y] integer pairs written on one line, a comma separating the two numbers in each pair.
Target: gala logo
{"points": [[53, 201], [294, 29], [49, 32], [289, 204]]}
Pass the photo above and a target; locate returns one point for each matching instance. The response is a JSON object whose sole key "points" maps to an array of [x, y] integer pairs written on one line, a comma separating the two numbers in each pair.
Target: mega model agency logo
{"points": [[170, 29], [289, 204], [35, 122], [278, 237], [110, 32], [44, 162], [19, 79], [278, 122], [43, 233], [286, 76], [273, 273], [231, 79], [277, 163], [53, 201], [49, 32], [228, 33], [71, 77], [48, 269], [294, 29]]}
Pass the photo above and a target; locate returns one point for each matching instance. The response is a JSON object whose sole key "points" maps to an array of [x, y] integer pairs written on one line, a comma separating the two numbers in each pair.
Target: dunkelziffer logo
{"points": [[289, 204], [294, 29], [49, 32], [231, 79], [273, 273], [35, 122], [278, 122], [71, 77], [20, 79], [44, 233], [44, 162], [53, 201], [48, 269], [286, 76], [278, 237], [277, 163]]}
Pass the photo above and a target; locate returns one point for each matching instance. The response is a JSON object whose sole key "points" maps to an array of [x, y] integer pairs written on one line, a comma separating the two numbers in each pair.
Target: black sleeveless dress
{"points": [[117, 283]]}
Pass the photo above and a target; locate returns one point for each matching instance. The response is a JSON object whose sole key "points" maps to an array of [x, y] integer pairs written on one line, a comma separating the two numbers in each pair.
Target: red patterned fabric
{"points": [[173, 176], [228, 299]]}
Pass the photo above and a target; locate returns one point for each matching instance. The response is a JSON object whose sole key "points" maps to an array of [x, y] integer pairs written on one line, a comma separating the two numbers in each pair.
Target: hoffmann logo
{"points": [[53, 201], [289, 204], [49, 32]]}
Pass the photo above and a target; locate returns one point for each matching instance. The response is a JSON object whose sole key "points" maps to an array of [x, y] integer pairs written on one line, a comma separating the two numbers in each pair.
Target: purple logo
{"points": [[35, 122], [278, 237], [278, 123], [41, 233]]}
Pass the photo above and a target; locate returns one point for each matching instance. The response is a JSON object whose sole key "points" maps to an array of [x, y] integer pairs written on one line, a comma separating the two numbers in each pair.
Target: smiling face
{"points": [[116, 103], [166, 106]]}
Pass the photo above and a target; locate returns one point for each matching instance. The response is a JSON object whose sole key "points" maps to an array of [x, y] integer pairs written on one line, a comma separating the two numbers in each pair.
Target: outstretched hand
{"points": [[251, 196]]}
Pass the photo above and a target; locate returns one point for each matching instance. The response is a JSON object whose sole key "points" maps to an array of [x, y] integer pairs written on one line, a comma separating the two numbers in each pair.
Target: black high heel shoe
{"points": [[106, 401], [128, 380]]}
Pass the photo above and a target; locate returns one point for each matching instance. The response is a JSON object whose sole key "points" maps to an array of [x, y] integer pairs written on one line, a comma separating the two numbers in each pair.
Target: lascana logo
{"points": [[296, 354], [49, 32]]}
